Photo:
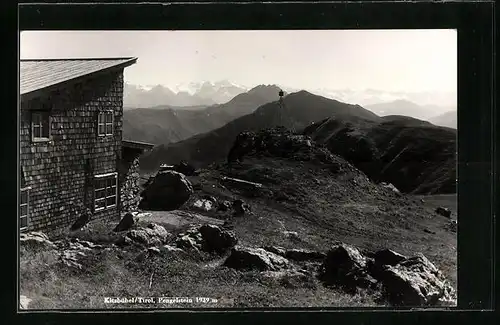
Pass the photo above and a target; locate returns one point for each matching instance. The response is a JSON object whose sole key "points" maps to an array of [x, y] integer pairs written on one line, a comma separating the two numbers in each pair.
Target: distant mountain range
{"points": [[448, 119], [406, 108], [166, 124], [207, 93], [192, 94]]}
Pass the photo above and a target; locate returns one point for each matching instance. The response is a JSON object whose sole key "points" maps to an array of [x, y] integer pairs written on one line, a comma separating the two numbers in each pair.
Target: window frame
{"points": [[105, 123], [39, 125], [27, 204], [105, 177]]}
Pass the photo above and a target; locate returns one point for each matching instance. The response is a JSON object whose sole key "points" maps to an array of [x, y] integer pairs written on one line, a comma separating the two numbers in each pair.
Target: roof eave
{"points": [[33, 93], [137, 145]]}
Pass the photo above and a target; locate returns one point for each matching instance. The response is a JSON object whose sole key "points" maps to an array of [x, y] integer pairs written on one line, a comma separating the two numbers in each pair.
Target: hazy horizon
{"points": [[392, 61]]}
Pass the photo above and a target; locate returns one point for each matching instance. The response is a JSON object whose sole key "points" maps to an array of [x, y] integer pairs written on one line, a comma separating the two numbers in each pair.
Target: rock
{"points": [[188, 242], [184, 168], [255, 259], [388, 257], [304, 255], [171, 249], [208, 238], [36, 240], [453, 225], [82, 221], [204, 205], [292, 235], [445, 212], [168, 191], [391, 187], [217, 240], [224, 206], [24, 302], [152, 235], [381, 259], [240, 207], [344, 266], [415, 282], [125, 223], [276, 250], [153, 250]]}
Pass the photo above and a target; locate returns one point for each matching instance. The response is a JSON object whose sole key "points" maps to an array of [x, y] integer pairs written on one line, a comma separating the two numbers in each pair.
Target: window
{"points": [[40, 126], [105, 191], [105, 123], [24, 208]]}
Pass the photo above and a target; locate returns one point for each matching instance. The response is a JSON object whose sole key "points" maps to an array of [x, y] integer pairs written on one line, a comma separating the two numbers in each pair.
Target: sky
{"points": [[388, 60]]}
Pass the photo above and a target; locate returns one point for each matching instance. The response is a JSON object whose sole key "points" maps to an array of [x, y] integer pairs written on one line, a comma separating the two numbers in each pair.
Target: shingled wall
{"points": [[61, 172]]}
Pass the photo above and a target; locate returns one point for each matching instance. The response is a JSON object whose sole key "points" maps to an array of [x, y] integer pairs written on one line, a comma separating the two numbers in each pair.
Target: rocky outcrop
{"points": [[346, 267], [248, 258], [208, 238], [217, 240], [280, 142], [72, 251], [415, 282], [152, 235], [36, 241], [169, 190]]}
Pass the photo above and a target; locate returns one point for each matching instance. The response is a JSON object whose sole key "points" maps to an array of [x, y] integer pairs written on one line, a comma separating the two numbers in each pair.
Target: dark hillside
{"points": [[414, 155]]}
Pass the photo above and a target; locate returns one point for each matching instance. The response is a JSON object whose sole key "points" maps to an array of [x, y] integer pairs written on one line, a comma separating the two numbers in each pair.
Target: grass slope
{"points": [[300, 196]]}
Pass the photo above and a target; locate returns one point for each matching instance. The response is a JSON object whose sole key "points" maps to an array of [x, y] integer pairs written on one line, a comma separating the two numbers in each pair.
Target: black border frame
{"points": [[476, 124]]}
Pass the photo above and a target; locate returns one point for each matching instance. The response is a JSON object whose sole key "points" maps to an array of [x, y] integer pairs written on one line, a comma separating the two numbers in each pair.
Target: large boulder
{"points": [[248, 258], [208, 238], [152, 235], [345, 266], [36, 240], [169, 190], [217, 240], [415, 282], [388, 257], [381, 259]]}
